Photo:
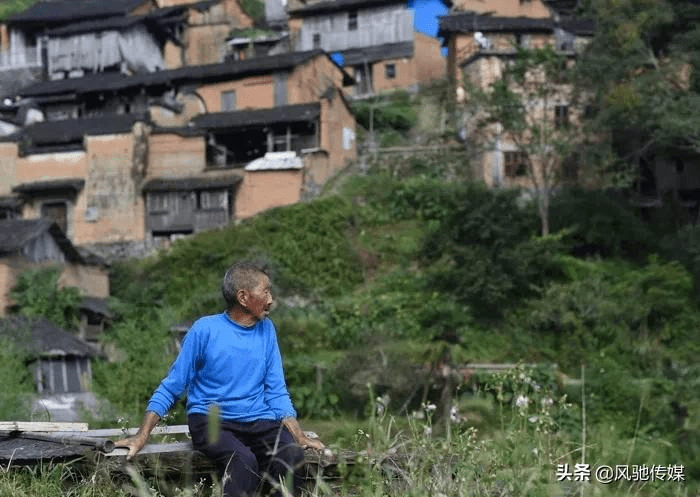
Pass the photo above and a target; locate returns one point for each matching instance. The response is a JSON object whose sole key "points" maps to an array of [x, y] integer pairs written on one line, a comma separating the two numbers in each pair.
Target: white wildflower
{"points": [[521, 402]]}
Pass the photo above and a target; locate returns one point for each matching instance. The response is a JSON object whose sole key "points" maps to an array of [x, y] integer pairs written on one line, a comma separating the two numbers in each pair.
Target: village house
{"points": [[480, 47], [36, 243], [374, 38], [61, 39], [127, 162], [60, 365]]}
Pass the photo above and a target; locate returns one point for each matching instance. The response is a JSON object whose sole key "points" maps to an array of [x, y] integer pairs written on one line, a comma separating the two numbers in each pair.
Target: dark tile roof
{"points": [[8, 202], [470, 22], [177, 13], [41, 338], [57, 11], [580, 27], [236, 119], [325, 7], [16, 233], [192, 74], [74, 130], [74, 184], [96, 306], [193, 183], [356, 56]]}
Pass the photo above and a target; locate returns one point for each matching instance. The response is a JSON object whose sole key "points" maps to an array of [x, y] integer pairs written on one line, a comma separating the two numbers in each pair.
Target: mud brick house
{"points": [[376, 38], [480, 46], [131, 161], [34, 243], [60, 364], [71, 38]]}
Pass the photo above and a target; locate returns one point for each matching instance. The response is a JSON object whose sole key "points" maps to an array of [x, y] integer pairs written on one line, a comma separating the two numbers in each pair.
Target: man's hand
{"points": [[136, 443], [299, 436]]}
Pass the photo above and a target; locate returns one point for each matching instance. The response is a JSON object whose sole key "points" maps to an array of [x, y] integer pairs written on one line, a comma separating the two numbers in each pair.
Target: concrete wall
{"points": [[262, 190], [8, 167]]}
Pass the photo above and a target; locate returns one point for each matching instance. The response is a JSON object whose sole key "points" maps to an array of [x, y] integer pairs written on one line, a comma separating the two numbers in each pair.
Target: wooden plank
{"points": [[118, 432], [40, 426], [167, 448]]}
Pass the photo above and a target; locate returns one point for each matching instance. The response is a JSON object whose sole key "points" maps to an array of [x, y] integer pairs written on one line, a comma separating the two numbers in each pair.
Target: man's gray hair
{"points": [[242, 275]]}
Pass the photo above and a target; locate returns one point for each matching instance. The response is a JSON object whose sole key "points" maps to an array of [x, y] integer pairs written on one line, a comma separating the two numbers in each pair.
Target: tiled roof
{"points": [[193, 183], [236, 119], [40, 337], [69, 131], [57, 11], [340, 5], [192, 74], [74, 184], [16, 233], [356, 56], [469, 22], [120, 22]]}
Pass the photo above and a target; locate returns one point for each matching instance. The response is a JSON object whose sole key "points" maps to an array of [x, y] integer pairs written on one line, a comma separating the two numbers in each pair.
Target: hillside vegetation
{"points": [[404, 270]]}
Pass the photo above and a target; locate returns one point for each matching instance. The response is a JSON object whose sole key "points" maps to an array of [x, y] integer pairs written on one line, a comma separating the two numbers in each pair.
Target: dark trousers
{"points": [[249, 455]]}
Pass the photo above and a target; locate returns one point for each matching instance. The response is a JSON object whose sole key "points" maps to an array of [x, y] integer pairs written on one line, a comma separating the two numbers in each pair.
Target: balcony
{"points": [[17, 59]]}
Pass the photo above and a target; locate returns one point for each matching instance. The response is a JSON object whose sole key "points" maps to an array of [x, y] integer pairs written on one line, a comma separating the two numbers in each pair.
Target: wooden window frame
{"points": [[515, 163]]}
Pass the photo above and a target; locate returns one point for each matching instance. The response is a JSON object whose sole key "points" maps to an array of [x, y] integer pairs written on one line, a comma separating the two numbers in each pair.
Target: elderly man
{"points": [[230, 363]]}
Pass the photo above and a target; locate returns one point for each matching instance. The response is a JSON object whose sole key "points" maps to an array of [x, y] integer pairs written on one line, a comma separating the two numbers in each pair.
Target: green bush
{"points": [[37, 294], [392, 112], [482, 247], [15, 402], [600, 222]]}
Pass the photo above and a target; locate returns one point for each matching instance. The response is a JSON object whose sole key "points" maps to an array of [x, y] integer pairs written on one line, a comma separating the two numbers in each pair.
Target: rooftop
{"points": [[60, 11], [236, 119], [15, 234], [192, 74]]}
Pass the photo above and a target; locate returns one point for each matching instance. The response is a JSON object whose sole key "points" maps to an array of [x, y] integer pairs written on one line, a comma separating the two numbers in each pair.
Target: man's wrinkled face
{"points": [[259, 299]]}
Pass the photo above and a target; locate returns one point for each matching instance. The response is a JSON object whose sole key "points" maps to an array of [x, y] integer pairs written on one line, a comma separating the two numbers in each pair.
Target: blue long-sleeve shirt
{"points": [[238, 369]]}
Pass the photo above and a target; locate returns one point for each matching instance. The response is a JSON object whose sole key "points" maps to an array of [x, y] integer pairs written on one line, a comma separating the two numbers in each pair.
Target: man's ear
{"points": [[242, 297]]}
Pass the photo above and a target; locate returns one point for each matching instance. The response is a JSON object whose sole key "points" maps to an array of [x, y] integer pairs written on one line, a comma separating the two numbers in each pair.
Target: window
{"points": [[390, 71], [228, 101], [62, 374], [57, 212], [515, 163], [561, 116], [317, 40], [352, 21], [158, 202], [212, 200]]}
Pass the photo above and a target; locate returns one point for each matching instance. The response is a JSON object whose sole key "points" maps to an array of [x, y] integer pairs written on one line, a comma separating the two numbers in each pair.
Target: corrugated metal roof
{"points": [[236, 119], [276, 161], [356, 56], [40, 337], [340, 5], [74, 10]]}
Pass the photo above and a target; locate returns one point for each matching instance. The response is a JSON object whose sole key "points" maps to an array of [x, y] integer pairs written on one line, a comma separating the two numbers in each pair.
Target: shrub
{"points": [[483, 249], [37, 294], [17, 383], [600, 222]]}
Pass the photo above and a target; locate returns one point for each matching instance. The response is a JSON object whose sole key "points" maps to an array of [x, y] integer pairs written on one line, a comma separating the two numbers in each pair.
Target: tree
{"points": [[37, 294], [641, 73], [532, 107]]}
